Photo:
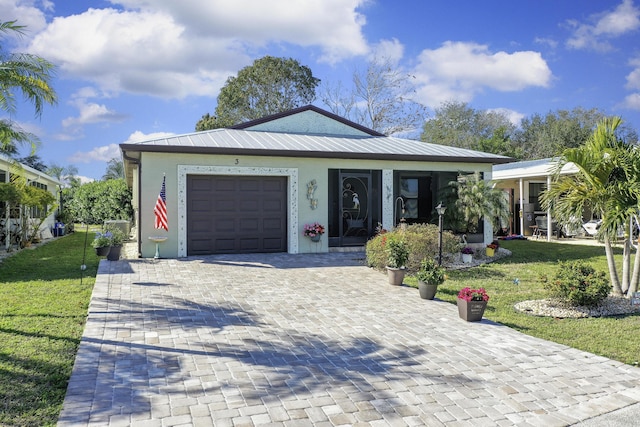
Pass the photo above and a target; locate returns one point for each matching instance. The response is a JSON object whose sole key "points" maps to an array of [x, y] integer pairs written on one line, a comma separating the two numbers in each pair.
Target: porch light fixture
{"points": [[440, 209]]}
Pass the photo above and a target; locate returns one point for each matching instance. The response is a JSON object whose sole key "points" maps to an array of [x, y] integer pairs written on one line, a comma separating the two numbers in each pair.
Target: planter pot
{"points": [[471, 311], [103, 250], [114, 253], [427, 291], [396, 275], [315, 238], [491, 252], [467, 258]]}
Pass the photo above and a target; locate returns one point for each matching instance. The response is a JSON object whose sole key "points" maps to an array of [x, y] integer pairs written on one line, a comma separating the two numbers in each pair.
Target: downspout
{"points": [[138, 228]]}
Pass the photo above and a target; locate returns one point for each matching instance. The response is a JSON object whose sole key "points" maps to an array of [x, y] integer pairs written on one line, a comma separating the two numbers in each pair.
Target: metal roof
{"points": [[260, 143], [531, 169]]}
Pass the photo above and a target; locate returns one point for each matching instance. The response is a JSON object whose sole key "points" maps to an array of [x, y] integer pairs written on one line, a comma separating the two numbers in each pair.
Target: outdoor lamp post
{"points": [[440, 209]]}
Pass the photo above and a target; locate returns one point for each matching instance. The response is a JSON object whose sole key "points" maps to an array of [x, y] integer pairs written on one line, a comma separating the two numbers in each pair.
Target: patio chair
{"points": [[543, 230]]}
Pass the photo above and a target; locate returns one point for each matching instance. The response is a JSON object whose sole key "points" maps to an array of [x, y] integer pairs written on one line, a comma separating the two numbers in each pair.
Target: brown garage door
{"points": [[236, 214]]}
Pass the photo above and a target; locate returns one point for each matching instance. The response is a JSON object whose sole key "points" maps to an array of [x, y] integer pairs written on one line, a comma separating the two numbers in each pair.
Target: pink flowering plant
{"points": [[469, 294], [313, 230]]}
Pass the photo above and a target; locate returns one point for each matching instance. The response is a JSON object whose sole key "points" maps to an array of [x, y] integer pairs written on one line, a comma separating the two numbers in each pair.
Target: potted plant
{"points": [[313, 231], [397, 257], [102, 243], [117, 239], [467, 254], [430, 276], [492, 248], [472, 303]]}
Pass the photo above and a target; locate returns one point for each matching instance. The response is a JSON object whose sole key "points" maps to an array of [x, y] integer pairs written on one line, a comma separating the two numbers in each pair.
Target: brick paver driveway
{"points": [[298, 340]]}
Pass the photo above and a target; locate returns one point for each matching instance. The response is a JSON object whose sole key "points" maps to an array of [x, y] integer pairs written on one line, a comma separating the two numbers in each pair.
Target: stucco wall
{"points": [[302, 170]]}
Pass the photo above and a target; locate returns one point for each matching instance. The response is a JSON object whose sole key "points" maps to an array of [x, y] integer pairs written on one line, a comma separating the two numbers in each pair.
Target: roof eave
{"points": [[310, 154]]}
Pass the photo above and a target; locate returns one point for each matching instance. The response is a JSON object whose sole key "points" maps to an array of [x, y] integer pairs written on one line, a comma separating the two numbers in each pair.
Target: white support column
{"points": [[549, 228], [387, 199], [521, 213]]}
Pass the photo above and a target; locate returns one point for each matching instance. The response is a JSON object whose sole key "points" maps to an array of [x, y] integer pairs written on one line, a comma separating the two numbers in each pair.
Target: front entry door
{"points": [[355, 208]]}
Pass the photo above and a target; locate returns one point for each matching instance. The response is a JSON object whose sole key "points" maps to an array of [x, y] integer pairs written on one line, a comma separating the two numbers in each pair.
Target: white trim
{"points": [[290, 173]]}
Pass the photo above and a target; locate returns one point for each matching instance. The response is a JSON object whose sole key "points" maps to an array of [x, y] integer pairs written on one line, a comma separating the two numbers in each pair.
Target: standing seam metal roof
{"points": [[266, 143]]}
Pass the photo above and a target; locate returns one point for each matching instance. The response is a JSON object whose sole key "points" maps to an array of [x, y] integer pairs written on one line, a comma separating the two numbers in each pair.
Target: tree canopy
{"points": [[270, 85], [27, 74], [459, 125], [381, 99]]}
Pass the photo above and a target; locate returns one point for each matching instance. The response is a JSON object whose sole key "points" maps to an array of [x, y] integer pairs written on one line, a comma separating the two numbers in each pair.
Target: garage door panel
{"points": [[231, 214], [248, 205]]}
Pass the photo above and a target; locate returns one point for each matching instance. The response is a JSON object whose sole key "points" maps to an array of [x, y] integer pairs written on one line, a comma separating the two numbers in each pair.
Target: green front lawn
{"points": [[614, 337], [43, 308]]}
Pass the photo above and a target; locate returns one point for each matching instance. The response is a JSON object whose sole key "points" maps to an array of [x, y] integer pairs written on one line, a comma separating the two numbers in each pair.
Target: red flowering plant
{"points": [[469, 294], [313, 230]]}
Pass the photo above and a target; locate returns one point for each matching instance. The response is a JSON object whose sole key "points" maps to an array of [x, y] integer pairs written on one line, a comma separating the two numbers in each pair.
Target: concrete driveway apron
{"points": [[301, 340]]}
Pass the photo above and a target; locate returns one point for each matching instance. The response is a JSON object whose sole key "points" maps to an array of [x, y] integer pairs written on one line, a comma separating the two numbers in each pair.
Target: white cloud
{"points": [[175, 49], [138, 136], [104, 153], [26, 12], [460, 70], [632, 101], [633, 78], [88, 113], [604, 26], [391, 50], [513, 116]]}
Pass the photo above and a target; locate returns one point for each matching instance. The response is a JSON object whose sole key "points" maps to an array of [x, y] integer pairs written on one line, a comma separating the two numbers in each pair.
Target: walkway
{"points": [[315, 340]]}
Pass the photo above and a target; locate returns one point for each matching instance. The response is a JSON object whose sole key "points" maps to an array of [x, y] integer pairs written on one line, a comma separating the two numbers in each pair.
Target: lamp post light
{"points": [[440, 209]]}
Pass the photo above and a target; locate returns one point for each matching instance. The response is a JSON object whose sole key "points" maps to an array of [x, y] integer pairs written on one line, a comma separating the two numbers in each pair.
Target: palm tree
{"points": [[115, 170], [607, 182], [64, 174], [473, 199], [29, 74]]}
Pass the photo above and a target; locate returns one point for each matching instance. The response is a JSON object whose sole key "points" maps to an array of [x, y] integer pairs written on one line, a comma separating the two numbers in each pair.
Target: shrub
{"points": [[430, 272], [421, 241], [397, 253], [578, 284]]}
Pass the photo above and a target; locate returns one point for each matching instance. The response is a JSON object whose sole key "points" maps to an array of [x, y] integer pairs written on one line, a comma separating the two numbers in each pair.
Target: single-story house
{"points": [[524, 181], [253, 187], [36, 178]]}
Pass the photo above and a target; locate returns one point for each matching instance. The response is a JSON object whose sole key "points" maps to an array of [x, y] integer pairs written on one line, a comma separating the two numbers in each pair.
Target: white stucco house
{"points": [[524, 181], [253, 187], [36, 178]]}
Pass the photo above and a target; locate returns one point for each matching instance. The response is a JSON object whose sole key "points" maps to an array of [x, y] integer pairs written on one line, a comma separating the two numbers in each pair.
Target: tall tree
{"points": [[115, 170], [382, 99], [29, 74], [607, 182], [547, 136], [33, 161], [459, 125], [271, 85], [64, 174]]}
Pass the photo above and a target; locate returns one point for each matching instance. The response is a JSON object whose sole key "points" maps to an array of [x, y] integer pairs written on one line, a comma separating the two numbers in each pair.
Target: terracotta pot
{"points": [[427, 291], [471, 311], [396, 275]]}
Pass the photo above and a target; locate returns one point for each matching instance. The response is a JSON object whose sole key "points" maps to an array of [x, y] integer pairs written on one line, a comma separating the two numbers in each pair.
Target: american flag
{"points": [[161, 209]]}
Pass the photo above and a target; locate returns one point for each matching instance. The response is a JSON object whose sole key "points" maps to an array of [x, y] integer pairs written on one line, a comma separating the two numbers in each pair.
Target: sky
{"points": [[129, 70]]}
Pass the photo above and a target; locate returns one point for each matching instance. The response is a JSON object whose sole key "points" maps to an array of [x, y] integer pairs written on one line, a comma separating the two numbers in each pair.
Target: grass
{"points": [[613, 337], [43, 308]]}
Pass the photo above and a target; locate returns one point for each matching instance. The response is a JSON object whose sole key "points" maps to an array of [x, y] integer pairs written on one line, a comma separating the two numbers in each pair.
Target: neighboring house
{"points": [[524, 181], [253, 187], [36, 178]]}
